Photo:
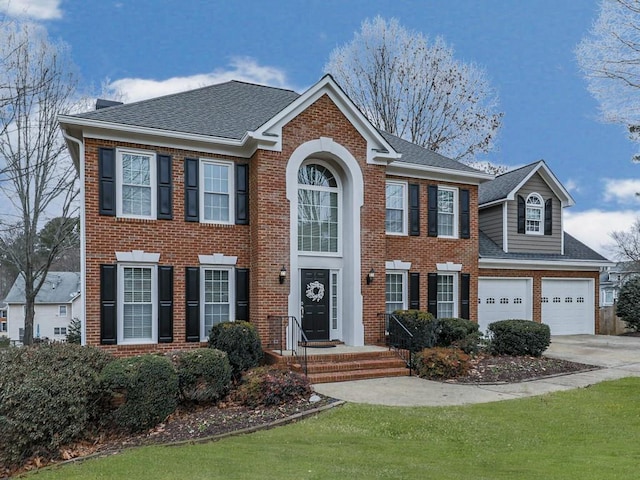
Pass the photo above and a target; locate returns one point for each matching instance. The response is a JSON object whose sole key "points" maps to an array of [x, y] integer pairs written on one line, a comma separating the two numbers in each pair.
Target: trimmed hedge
{"points": [[241, 342], [454, 330], [268, 386], [519, 338], [144, 390], [50, 395], [441, 363], [204, 374], [422, 325]]}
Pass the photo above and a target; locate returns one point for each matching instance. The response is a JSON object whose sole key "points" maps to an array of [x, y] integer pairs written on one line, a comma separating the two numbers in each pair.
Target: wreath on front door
{"points": [[315, 291]]}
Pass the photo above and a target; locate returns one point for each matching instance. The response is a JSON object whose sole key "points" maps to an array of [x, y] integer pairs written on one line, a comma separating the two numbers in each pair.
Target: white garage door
{"points": [[567, 306], [503, 299]]}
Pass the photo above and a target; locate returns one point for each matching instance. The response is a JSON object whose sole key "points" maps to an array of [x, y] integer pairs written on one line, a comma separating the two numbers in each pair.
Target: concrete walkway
{"points": [[619, 357]]}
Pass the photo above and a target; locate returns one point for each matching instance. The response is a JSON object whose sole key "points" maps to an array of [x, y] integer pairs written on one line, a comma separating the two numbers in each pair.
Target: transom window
{"points": [[534, 213], [396, 213], [446, 296], [318, 197], [136, 182], [395, 292], [447, 212], [217, 298], [217, 185], [137, 303]]}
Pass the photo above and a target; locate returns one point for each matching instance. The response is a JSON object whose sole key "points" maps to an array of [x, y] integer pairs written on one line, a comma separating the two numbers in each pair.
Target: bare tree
{"points": [[610, 59], [37, 178], [627, 244], [416, 90]]}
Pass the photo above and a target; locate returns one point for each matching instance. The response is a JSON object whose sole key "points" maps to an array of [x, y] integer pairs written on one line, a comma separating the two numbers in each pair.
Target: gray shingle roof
{"points": [[412, 153], [59, 287], [225, 110], [502, 185], [573, 250]]}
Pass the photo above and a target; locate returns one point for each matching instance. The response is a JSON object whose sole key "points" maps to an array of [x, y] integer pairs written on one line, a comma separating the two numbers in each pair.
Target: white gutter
{"points": [[83, 257], [406, 169]]}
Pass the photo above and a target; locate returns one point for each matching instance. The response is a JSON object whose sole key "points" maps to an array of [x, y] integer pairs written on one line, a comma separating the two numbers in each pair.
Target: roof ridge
{"points": [[520, 168]]}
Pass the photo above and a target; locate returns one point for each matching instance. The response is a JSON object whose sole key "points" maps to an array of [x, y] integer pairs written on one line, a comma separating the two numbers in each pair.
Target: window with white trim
{"points": [[395, 291], [137, 285], [534, 214], [396, 208], [3, 326], [62, 310], [59, 330], [446, 295], [447, 212], [217, 297], [216, 202], [136, 184], [318, 209]]}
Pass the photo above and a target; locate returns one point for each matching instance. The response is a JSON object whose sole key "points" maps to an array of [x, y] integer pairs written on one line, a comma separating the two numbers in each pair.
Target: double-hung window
{"points": [[138, 292], [62, 310], [395, 291], [216, 191], [447, 212], [136, 185], [534, 214], [396, 208], [447, 295], [217, 297]]}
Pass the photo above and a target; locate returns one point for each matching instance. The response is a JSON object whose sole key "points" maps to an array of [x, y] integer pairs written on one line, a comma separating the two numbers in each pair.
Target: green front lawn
{"points": [[589, 433]]}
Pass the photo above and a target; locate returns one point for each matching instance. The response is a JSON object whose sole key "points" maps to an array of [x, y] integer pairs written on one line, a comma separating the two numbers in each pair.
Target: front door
{"points": [[315, 304]]}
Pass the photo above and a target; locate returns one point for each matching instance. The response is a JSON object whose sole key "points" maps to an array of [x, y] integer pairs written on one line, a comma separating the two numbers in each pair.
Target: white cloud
{"points": [[35, 9], [241, 68], [621, 190], [592, 227], [572, 186]]}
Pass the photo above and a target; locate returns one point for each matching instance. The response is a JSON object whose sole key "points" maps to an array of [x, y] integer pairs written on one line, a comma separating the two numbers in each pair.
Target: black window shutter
{"points": [[465, 284], [191, 199], [107, 185], [242, 294], [465, 218], [414, 291], [165, 189], [548, 217], [432, 294], [432, 210], [242, 194], [192, 283], [108, 305], [414, 209], [165, 304], [522, 214]]}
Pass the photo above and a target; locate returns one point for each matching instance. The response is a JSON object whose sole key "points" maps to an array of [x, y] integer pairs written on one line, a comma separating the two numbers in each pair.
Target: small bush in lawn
{"points": [[145, 389], [519, 338], [241, 342], [422, 325], [50, 395], [204, 374], [269, 386], [440, 363]]}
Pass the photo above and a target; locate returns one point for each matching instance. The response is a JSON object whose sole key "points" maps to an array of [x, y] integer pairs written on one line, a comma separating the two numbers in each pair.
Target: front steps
{"points": [[344, 365]]}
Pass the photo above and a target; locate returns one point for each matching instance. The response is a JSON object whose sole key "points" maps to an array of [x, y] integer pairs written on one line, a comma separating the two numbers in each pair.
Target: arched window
{"points": [[318, 197], [535, 213]]}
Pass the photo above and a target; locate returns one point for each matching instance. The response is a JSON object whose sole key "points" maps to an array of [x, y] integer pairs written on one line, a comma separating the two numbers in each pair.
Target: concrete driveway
{"points": [[619, 357]]}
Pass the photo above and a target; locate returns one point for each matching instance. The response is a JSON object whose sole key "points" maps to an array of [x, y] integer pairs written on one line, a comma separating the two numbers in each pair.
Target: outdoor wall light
{"points": [[283, 275], [370, 276]]}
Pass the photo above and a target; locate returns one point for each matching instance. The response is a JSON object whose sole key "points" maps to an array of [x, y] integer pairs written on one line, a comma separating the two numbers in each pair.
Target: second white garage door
{"points": [[568, 306], [503, 299]]}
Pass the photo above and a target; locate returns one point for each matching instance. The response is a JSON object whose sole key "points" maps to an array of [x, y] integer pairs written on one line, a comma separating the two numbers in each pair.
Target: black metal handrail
{"points": [[398, 338], [281, 327]]}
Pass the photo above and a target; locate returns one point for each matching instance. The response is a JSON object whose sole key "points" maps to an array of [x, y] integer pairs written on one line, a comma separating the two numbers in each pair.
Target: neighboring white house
{"points": [[613, 278], [56, 304]]}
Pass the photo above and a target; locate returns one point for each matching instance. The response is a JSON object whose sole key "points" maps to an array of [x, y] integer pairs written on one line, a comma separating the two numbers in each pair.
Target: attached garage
{"points": [[502, 299], [568, 305]]}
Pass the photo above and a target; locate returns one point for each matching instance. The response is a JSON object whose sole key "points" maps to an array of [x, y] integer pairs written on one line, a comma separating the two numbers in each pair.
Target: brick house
{"points": [[240, 201]]}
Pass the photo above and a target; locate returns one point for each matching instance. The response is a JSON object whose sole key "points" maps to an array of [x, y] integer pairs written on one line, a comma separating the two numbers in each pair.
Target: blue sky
{"points": [[149, 47]]}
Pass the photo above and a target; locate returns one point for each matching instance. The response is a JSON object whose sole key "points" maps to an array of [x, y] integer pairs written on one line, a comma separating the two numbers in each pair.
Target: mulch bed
{"points": [[506, 369]]}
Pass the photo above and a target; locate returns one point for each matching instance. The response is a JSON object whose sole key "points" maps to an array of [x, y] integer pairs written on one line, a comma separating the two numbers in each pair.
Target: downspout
{"points": [[83, 258]]}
